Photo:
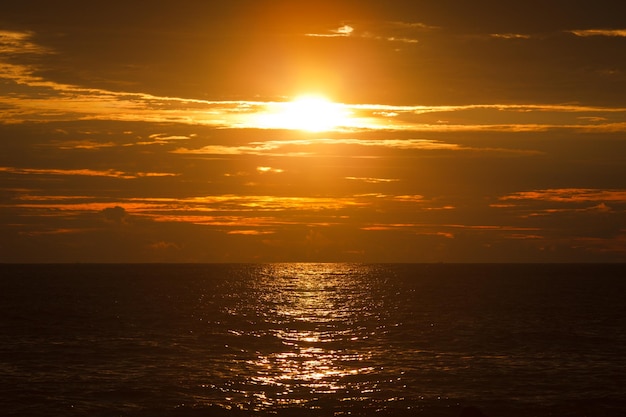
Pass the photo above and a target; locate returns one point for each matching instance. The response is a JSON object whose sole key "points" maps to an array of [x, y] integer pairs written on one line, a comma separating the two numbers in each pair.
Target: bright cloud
{"points": [[371, 180], [342, 31], [510, 36], [29, 97], [300, 146], [85, 172], [19, 43], [570, 195], [600, 32]]}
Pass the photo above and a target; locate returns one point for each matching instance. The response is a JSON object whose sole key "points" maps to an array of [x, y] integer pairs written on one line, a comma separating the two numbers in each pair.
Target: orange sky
{"points": [[431, 132]]}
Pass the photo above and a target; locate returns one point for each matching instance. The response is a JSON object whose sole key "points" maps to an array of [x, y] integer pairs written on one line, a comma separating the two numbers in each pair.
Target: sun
{"points": [[311, 113]]}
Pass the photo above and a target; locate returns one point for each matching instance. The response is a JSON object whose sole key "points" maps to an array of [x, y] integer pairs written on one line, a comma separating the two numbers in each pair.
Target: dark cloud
{"points": [[116, 215]]}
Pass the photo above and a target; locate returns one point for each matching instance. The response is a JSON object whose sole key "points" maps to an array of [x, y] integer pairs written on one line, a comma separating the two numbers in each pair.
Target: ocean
{"points": [[312, 340]]}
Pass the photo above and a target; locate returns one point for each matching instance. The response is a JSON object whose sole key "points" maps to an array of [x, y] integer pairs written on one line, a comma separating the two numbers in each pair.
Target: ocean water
{"points": [[312, 340]]}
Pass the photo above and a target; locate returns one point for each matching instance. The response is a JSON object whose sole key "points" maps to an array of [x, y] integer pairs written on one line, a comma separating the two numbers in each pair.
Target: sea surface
{"points": [[312, 340]]}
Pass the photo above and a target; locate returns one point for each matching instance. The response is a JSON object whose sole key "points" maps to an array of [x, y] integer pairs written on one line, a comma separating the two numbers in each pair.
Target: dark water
{"points": [[312, 340]]}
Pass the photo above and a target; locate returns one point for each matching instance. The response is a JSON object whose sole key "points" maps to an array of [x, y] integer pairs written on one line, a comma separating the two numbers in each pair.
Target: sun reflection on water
{"points": [[312, 310]]}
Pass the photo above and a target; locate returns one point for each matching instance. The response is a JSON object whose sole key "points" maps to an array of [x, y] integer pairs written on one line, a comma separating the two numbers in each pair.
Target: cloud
{"points": [[299, 146], [18, 43], [621, 33], [250, 232], [327, 146], [401, 32], [572, 213], [569, 195], [83, 144], [371, 180], [163, 246], [412, 26], [447, 230], [269, 170], [523, 236], [510, 36], [602, 245], [345, 30], [241, 211], [85, 172], [342, 31], [412, 198], [30, 97], [163, 138], [115, 215], [492, 117]]}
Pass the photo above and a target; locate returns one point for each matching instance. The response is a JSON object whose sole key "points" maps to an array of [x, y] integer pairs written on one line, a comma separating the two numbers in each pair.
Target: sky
{"points": [[312, 131]]}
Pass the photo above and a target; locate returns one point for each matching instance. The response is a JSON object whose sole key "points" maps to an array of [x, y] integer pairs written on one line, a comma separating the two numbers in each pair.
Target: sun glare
{"points": [[312, 113]]}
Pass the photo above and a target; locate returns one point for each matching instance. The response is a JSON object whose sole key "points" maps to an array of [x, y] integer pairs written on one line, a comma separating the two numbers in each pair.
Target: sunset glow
{"points": [[313, 208], [369, 131]]}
